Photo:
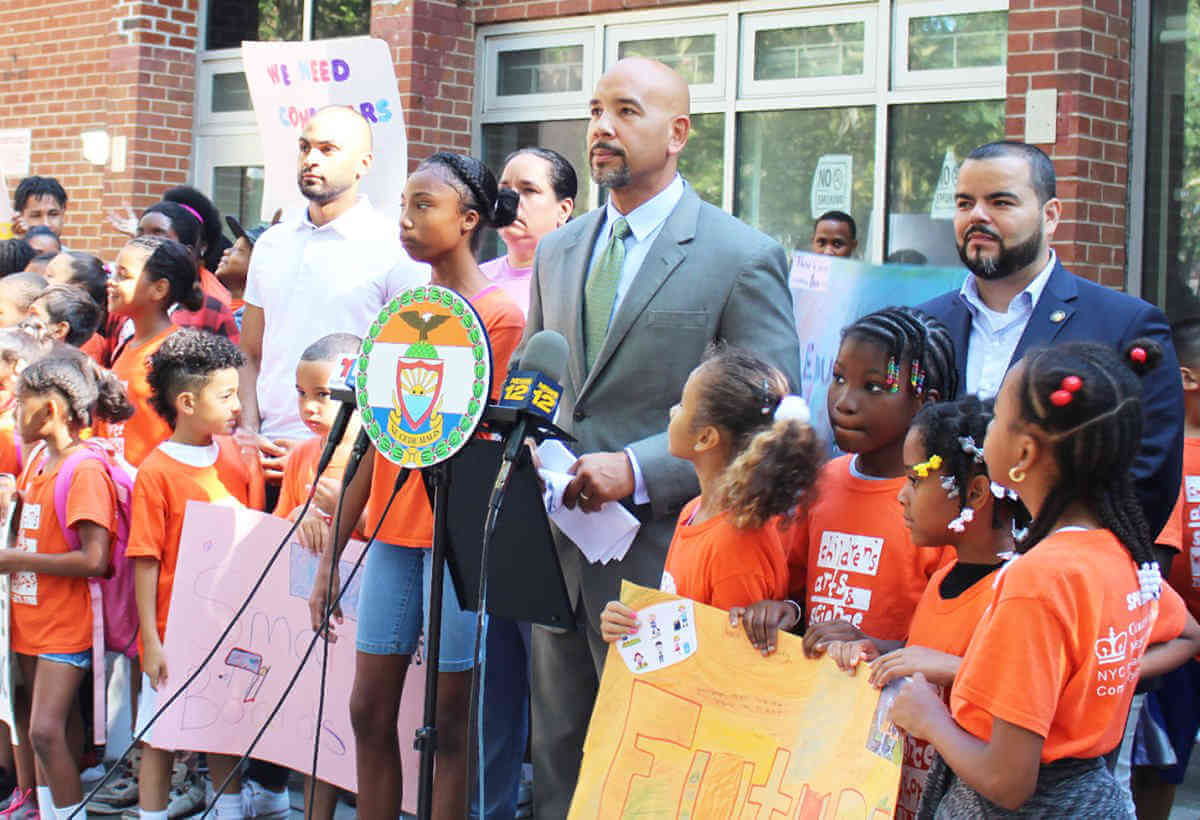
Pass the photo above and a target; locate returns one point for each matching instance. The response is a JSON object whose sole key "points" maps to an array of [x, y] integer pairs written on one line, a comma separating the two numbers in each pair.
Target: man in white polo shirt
{"points": [[328, 269]]}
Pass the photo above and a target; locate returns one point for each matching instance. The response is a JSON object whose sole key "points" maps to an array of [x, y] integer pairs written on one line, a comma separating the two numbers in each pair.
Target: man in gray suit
{"points": [[639, 288]]}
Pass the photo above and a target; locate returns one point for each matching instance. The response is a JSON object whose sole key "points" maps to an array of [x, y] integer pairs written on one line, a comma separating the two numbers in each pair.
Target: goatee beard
{"points": [[1006, 261]]}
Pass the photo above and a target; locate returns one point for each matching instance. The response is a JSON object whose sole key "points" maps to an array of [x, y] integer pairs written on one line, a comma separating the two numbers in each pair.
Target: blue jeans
{"points": [[505, 718]]}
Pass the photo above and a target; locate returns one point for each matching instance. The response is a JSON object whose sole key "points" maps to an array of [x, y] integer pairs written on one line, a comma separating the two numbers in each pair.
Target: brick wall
{"points": [[124, 67], [1081, 48]]}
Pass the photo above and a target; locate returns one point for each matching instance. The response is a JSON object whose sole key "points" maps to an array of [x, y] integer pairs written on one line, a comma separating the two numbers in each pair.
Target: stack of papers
{"points": [[602, 536]]}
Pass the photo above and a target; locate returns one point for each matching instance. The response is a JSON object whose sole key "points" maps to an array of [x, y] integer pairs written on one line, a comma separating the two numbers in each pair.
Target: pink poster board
{"points": [[222, 551]]}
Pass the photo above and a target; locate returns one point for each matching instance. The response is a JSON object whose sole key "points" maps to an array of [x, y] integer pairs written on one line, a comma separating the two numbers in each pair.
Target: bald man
{"points": [[329, 268], [639, 288]]}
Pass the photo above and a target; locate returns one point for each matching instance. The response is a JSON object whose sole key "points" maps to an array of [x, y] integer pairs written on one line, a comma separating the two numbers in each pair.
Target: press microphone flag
{"points": [[423, 376], [534, 387]]}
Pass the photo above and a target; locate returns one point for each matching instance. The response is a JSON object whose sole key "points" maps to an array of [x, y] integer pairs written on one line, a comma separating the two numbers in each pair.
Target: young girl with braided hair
{"points": [[59, 396], [1045, 686], [447, 202], [948, 499], [755, 456], [854, 570]]}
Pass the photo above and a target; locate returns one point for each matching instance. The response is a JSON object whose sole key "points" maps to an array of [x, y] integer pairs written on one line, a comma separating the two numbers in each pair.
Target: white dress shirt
{"points": [[645, 224], [994, 335], [311, 281]]}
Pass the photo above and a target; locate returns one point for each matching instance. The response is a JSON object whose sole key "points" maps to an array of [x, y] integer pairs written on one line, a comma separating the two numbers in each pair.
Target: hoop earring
{"points": [[1016, 475]]}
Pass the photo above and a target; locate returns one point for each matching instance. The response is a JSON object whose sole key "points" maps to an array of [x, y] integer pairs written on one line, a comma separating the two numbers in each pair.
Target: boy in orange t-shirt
{"points": [[193, 382], [318, 411]]}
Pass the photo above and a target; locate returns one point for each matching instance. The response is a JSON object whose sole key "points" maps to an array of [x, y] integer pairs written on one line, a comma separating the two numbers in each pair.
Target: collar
{"points": [[356, 223], [970, 289], [647, 217], [193, 455]]}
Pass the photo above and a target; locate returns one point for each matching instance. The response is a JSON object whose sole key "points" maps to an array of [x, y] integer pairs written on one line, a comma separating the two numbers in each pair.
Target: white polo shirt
{"points": [[312, 281]]}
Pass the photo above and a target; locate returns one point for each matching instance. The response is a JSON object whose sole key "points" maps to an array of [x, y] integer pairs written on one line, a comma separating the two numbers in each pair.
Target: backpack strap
{"points": [[62, 488]]}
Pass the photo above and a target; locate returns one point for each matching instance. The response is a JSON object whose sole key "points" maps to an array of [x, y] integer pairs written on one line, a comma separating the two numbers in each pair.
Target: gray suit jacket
{"points": [[707, 276]]}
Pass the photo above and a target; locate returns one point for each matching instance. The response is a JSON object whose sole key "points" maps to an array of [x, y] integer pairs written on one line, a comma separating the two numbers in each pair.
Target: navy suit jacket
{"points": [[1092, 313]]}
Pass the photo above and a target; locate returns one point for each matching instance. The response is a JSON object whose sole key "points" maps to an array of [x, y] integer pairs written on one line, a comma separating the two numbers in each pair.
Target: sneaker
{"points": [[29, 811], [120, 792], [259, 802], [91, 776], [186, 798], [15, 801]]}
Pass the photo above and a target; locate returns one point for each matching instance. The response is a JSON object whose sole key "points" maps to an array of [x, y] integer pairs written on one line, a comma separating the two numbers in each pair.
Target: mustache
{"points": [[979, 229], [604, 146]]}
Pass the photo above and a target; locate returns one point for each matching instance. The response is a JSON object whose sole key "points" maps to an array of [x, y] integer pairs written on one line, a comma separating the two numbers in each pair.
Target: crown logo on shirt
{"points": [[1111, 649]]}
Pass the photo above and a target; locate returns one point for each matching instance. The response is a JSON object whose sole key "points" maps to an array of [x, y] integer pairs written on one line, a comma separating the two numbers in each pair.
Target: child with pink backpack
{"points": [[70, 519]]}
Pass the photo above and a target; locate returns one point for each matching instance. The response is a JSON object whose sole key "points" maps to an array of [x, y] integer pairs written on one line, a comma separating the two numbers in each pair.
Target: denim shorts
{"points": [[80, 660], [392, 607]]}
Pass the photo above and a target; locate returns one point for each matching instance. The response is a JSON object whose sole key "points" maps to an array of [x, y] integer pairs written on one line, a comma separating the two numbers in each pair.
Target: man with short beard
{"points": [[639, 288], [1019, 297]]}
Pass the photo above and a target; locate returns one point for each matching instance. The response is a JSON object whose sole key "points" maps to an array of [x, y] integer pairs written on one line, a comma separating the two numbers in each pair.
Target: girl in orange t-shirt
{"points": [[447, 201], [1044, 689], [755, 456], [57, 397], [152, 273], [947, 499], [852, 562]]}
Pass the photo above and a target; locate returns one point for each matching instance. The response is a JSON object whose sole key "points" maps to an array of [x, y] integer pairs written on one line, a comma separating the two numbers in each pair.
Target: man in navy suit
{"points": [[1018, 297]]}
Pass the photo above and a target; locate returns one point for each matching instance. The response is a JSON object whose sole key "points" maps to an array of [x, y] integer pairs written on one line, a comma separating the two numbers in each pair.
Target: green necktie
{"points": [[601, 290]]}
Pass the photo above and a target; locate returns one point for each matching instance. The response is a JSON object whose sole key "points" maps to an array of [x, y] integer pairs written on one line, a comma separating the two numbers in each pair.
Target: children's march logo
{"points": [[423, 376]]}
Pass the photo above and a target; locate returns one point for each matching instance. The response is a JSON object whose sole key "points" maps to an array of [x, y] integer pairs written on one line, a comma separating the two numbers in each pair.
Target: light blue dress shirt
{"points": [[645, 224], [994, 335]]}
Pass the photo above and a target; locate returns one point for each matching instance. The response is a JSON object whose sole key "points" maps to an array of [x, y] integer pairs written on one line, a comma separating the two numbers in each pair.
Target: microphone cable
{"points": [[400, 479], [207, 658]]}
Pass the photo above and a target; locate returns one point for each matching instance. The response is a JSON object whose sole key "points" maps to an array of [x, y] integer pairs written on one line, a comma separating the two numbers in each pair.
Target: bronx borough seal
{"points": [[424, 370]]}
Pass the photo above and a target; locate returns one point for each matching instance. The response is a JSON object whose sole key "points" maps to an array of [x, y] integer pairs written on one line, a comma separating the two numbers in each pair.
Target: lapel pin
{"points": [[1057, 316]]}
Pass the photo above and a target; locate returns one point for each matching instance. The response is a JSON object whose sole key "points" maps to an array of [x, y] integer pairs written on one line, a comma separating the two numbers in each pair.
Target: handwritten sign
{"points": [[221, 552], [829, 293], [16, 144], [291, 81], [729, 733]]}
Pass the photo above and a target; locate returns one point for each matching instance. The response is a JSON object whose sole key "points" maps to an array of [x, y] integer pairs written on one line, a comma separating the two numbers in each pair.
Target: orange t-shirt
{"points": [[851, 558], [53, 613], [409, 522], [143, 432], [944, 624], [1183, 530], [717, 564], [96, 347], [300, 471], [164, 485], [10, 457], [1058, 651]]}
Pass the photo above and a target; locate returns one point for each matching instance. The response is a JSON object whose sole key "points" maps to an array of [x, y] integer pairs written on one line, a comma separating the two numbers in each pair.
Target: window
{"points": [[1171, 232], [957, 48], [798, 106], [232, 21], [926, 144]]}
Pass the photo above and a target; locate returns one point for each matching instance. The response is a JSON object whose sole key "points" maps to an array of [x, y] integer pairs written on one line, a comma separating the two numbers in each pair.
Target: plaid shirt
{"points": [[213, 316]]}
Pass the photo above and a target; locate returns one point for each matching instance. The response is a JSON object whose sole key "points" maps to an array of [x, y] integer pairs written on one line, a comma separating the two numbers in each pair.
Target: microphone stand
{"points": [[426, 741]]}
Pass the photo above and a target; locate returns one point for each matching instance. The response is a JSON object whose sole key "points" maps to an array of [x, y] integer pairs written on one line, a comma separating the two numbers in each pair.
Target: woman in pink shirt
{"points": [[547, 185]]}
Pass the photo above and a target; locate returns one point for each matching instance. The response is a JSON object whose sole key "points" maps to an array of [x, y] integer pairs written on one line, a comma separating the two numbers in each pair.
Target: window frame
{"points": [[966, 80], [620, 33], [650, 23], [494, 102], [752, 24]]}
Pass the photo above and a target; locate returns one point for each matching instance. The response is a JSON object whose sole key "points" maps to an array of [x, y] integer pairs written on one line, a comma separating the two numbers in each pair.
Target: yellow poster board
{"points": [[727, 733]]}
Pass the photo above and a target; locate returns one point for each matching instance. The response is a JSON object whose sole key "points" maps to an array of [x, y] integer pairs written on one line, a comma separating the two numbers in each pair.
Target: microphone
{"points": [[341, 388], [533, 389]]}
